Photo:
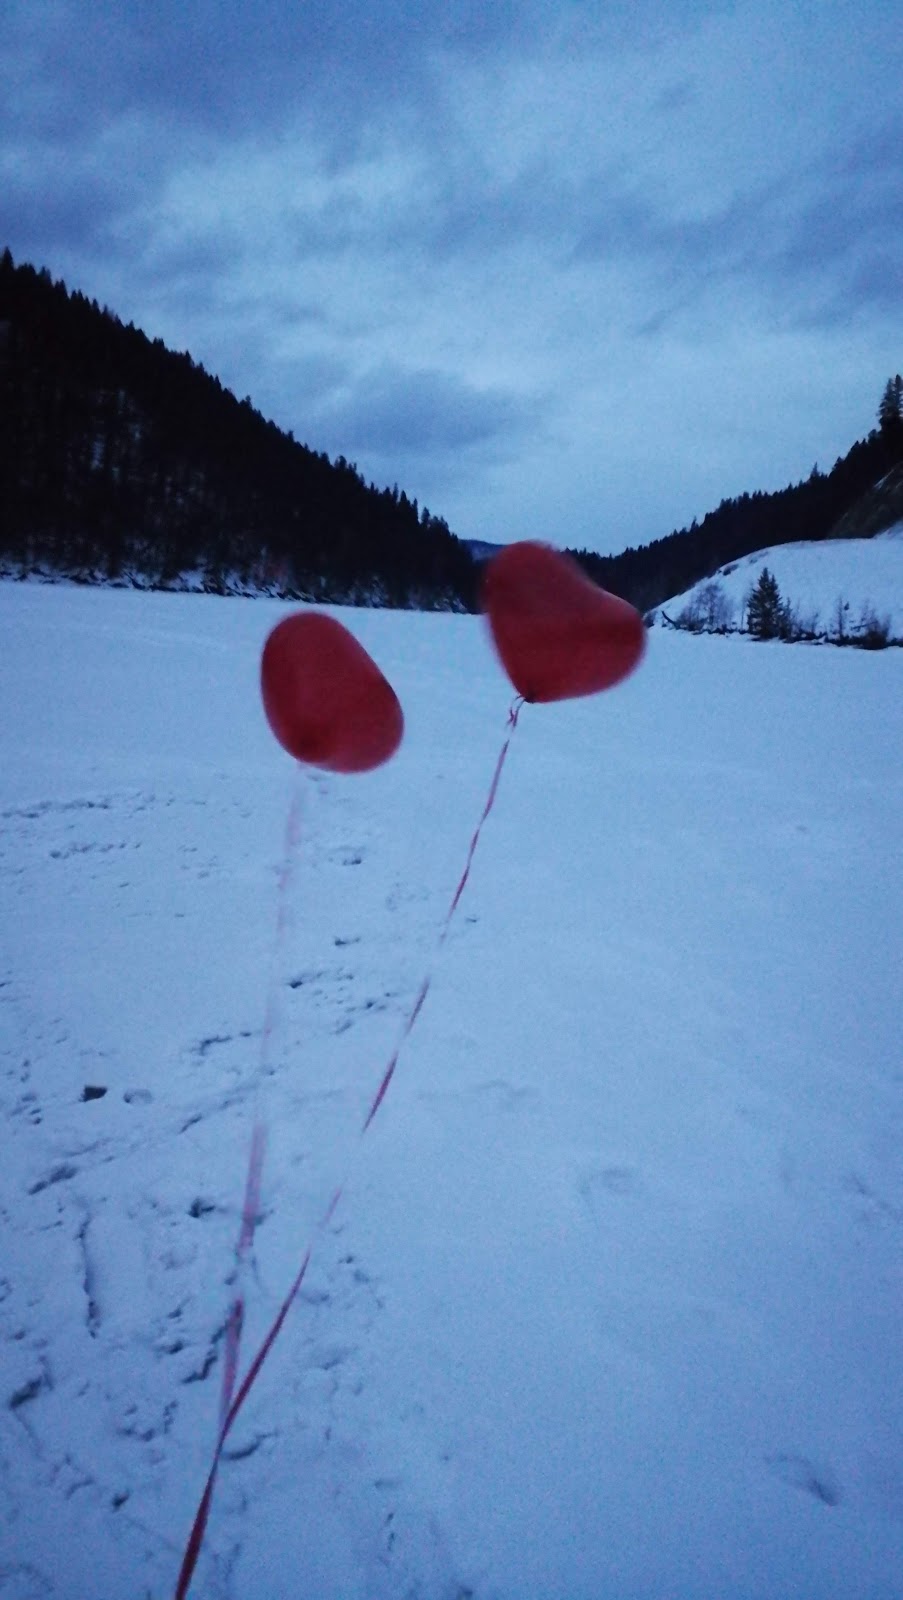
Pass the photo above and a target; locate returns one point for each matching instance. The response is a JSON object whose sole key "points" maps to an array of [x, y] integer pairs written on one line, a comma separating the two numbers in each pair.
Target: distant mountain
{"points": [[482, 550], [125, 462], [859, 496]]}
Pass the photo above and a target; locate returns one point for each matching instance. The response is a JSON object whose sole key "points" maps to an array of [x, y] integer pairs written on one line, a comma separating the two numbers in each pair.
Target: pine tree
{"points": [[766, 613], [890, 411]]}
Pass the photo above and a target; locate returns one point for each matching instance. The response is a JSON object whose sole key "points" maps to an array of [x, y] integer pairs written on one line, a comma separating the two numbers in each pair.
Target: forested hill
{"points": [[823, 506], [122, 460]]}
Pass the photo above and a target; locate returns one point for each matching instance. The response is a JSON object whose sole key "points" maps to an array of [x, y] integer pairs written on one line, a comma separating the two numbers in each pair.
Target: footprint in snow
{"points": [[58, 1174], [801, 1473], [348, 855], [617, 1180], [597, 1185]]}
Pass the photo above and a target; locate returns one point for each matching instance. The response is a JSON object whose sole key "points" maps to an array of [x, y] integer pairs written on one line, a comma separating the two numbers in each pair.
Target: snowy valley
{"points": [[610, 1309]]}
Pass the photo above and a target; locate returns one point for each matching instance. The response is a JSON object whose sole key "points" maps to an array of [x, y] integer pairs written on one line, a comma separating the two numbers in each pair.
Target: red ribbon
{"points": [[229, 1406]]}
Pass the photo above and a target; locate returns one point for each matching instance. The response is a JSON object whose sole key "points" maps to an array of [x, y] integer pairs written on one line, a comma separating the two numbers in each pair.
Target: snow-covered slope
{"points": [[817, 577], [611, 1305]]}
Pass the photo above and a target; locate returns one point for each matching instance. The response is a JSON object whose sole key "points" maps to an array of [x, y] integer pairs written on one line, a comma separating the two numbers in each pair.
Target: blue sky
{"points": [[566, 271]]}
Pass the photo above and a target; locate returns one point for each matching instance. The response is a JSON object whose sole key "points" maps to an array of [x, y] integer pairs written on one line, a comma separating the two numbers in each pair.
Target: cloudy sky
{"points": [[573, 271]]}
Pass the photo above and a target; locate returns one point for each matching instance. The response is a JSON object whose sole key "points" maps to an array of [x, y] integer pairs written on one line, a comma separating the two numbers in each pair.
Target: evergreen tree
{"points": [[890, 411], [766, 613]]}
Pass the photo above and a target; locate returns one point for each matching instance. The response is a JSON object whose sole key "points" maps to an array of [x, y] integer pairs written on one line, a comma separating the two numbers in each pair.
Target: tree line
{"points": [[809, 510], [122, 460]]}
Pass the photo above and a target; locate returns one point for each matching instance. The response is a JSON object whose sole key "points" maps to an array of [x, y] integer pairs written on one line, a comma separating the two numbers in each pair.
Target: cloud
{"points": [[51, 218], [233, 66], [847, 236], [420, 412], [469, 244], [815, 245]]}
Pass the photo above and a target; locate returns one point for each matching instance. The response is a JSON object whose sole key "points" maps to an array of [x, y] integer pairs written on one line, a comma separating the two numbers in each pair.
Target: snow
{"points": [[611, 1304], [815, 575]]}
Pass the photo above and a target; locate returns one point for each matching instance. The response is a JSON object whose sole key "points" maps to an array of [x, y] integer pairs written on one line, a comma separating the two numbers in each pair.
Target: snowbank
{"points": [[859, 575]]}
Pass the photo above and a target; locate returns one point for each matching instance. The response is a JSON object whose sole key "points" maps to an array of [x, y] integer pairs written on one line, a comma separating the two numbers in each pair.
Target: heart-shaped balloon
{"points": [[557, 633], [325, 698]]}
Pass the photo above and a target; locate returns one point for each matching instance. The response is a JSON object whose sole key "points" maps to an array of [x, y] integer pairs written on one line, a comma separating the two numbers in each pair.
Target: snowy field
{"points": [[861, 575], [611, 1308]]}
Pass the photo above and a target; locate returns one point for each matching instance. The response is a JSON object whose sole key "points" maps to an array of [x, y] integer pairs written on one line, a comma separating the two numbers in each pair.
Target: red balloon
{"points": [[557, 633], [325, 698]]}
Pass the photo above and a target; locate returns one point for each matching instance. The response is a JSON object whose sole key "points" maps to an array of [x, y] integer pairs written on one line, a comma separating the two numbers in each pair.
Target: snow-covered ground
{"points": [[611, 1307], [858, 575]]}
